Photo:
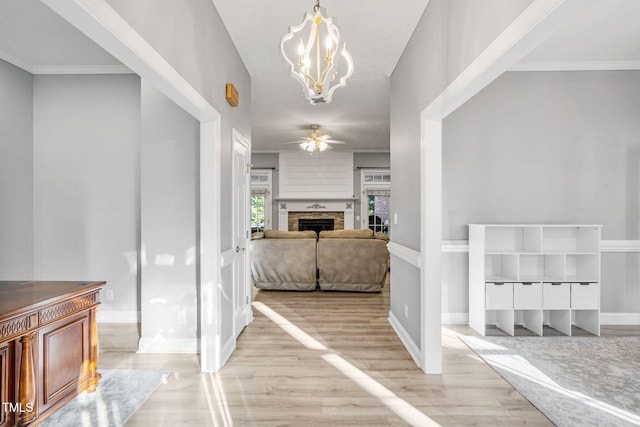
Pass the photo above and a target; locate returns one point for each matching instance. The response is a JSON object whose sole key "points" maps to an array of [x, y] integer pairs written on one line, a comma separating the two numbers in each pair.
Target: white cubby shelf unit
{"points": [[534, 275]]}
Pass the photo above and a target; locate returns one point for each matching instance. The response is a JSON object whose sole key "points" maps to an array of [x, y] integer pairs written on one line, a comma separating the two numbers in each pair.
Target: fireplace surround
{"points": [[292, 210]]}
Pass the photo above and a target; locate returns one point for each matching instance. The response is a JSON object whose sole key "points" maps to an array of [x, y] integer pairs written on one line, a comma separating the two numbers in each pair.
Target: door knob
{"points": [[238, 249]]}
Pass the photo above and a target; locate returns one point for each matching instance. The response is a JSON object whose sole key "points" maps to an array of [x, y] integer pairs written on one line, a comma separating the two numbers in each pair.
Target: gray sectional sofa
{"points": [[339, 260]]}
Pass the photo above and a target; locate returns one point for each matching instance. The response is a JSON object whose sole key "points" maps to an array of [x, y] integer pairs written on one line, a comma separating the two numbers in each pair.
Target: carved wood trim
{"points": [[14, 327], [67, 307], [27, 382]]}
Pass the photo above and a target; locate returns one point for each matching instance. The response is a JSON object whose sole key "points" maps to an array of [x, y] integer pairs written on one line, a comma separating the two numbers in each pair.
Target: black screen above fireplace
{"points": [[316, 225]]}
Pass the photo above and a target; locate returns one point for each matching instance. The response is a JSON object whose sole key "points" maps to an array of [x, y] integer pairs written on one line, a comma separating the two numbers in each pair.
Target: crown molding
{"points": [[7, 57], [81, 69], [577, 66], [64, 69]]}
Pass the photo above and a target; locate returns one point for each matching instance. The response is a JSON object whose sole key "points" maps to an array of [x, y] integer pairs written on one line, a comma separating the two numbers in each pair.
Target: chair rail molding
{"points": [[404, 253], [620, 246]]}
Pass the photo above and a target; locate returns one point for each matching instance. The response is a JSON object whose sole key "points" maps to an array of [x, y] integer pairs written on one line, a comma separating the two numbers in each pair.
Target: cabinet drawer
{"points": [[556, 296], [499, 296], [585, 296], [527, 296]]}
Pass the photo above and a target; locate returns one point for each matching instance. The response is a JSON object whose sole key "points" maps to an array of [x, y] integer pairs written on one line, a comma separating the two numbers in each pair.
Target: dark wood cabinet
{"points": [[48, 347]]}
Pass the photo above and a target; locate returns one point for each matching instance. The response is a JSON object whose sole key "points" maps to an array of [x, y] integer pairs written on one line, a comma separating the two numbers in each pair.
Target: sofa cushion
{"points": [[284, 264], [381, 236], [363, 233], [276, 234], [352, 264]]}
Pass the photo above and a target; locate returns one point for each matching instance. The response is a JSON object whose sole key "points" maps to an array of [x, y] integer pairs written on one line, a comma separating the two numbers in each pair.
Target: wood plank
{"points": [[273, 379]]}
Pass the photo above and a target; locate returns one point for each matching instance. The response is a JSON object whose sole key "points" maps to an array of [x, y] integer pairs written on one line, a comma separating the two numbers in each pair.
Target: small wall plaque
{"points": [[232, 95]]}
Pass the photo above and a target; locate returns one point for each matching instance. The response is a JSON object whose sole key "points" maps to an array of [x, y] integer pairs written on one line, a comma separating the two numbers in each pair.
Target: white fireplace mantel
{"points": [[315, 205]]}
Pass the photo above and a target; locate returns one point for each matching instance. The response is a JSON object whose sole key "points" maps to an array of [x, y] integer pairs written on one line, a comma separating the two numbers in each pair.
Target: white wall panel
{"points": [[326, 175]]}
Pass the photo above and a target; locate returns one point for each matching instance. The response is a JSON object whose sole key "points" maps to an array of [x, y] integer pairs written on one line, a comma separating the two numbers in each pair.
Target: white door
{"points": [[241, 227]]}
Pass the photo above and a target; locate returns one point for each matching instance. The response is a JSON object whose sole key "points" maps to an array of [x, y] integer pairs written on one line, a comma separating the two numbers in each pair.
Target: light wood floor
{"points": [[331, 359]]}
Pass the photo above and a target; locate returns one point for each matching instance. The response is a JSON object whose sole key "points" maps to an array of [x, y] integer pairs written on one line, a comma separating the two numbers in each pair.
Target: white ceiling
{"points": [[376, 33], [35, 38], [605, 36]]}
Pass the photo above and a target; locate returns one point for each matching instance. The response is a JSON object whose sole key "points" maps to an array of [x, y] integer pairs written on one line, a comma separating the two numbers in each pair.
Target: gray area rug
{"points": [[574, 381], [119, 394]]}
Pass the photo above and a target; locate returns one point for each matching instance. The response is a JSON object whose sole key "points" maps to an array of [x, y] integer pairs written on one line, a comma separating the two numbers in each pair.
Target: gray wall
{"points": [[85, 174], [168, 199], [16, 173], [82, 171], [360, 161], [450, 34], [540, 147], [191, 37]]}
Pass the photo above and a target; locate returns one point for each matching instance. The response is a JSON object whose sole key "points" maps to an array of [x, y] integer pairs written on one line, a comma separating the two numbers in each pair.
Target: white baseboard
{"points": [[127, 316], [455, 318], [411, 347], [168, 345], [620, 318]]}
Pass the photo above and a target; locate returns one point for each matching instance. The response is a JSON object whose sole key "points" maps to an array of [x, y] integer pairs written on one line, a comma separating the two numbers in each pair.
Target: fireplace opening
{"points": [[315, 224]]}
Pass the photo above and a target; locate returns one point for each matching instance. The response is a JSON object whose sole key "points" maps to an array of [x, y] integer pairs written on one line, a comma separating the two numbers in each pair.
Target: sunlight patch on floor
{"points": [[216, 399], [450, 339], [517, 365], [297, 333], [400, 407]]}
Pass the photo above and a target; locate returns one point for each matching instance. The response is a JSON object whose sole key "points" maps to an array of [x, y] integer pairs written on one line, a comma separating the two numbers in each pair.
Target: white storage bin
{"points": [[585, 296], [499, 296], [556, 296], [527, 296]]}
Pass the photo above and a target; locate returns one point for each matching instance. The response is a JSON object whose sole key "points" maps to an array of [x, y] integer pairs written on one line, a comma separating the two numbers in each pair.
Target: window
{"points": [[371, 177], [378, 210], [376, 192], [258, 217], [260, 200]]}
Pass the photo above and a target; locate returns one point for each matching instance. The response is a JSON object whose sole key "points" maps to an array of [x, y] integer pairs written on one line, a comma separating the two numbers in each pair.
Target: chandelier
{"points": [[317, 57]]}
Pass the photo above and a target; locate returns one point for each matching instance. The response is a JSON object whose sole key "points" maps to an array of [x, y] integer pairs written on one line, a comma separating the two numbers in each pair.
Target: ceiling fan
{"points": [[316, 141]]}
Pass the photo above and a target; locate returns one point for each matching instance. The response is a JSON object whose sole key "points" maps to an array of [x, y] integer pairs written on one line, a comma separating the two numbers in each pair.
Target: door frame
{"points": [[534, 25], [239, 139], [102, 24]]}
